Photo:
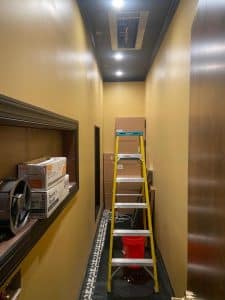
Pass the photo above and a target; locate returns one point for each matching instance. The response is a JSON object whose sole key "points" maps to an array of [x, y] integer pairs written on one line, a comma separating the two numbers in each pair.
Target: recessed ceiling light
{"points": [[118, 3], [118, 56], [119, 73]]}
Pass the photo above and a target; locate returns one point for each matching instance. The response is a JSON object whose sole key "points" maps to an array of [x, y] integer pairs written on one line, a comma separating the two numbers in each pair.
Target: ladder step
{"points": [[129, 133], [121, 262], [137, 186], [129, 195], [130, 232], [129, 156], [130, 205], [129, 179]]}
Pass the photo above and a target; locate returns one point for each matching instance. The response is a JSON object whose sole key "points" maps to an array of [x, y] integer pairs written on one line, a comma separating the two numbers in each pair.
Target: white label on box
{"points": [[44, 174], [45, 202]]}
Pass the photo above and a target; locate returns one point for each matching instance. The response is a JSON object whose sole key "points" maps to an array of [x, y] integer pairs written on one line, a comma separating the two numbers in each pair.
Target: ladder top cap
{"points": [[129, 133]]}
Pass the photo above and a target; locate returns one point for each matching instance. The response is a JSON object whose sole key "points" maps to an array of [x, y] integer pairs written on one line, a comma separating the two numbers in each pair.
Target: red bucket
{"points": [[133, 247]]}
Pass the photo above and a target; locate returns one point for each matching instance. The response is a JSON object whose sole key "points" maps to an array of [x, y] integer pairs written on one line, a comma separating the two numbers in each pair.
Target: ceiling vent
{"points": [[127, 29]]}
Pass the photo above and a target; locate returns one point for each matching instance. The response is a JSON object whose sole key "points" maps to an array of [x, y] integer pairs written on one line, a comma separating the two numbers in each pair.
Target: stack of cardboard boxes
{"points": [[49, 184], [126, 168]]}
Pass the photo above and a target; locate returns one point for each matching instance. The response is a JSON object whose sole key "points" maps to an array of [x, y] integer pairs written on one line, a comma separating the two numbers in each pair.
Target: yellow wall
{"points": [[46, 61], [167, 109], [121, 99]]}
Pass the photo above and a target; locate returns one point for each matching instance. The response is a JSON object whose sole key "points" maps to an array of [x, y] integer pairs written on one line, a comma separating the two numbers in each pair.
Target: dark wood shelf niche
{"points": [[28, 132]]}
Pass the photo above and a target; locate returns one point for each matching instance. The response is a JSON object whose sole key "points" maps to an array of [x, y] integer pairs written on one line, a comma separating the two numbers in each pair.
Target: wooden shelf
{"points": [[14, 113], [18, 113], [14, 250]]}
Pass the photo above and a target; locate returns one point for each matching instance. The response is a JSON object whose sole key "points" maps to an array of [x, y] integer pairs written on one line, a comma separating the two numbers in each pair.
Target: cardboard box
{"points": [[129, 168], [108, 203], [108, 166], [43, 203], [130, 124], [124, 167], [126, 188], [130, 144], [122, 188], [108, 185], [129, 188], [44, 172], [108, 157]]}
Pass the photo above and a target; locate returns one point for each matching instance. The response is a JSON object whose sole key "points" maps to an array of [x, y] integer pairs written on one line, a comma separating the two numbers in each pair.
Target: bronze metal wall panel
{"points": [[206, 237]]}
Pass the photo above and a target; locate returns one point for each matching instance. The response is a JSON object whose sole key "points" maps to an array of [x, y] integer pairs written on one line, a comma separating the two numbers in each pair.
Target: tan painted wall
{"points": [[46, 61], [167, 109], [122, 99]]}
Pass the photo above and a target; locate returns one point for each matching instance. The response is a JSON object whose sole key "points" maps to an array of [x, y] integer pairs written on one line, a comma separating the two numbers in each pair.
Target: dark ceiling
{"points": [[135, 31]]}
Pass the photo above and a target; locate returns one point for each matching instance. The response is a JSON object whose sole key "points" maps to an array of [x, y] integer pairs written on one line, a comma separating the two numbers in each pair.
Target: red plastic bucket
{"points": [[133, 247]]}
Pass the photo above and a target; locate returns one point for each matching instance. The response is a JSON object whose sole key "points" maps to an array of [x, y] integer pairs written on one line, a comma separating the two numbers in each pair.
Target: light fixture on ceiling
{"points": [[119, 73], [118, 3], [118, 56]]}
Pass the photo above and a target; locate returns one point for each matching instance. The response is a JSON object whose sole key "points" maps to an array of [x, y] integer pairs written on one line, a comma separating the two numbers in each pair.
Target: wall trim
{"points": [[18, 113]]}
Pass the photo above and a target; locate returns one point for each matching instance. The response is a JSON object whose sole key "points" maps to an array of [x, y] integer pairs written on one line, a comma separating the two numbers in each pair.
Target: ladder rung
{"points": [[129, 156], [129, 133], [129, 195], [130, 205], [131, 232], [120, 262], [129, 179]]}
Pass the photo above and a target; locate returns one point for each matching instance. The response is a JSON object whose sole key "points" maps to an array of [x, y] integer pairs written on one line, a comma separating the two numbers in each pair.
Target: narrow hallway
{"points": [[112, 138], [95, 282]]}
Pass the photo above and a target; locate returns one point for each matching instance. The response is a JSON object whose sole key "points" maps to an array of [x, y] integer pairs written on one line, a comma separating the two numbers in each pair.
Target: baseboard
{"points": [[165, 280]]}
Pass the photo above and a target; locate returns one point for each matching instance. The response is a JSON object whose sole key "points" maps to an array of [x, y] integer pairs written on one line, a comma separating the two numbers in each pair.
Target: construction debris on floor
{"points": [[134, 284]]}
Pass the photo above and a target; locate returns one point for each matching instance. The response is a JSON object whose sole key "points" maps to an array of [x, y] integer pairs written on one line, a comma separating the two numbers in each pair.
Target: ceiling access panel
{"points": [[136, 31]]}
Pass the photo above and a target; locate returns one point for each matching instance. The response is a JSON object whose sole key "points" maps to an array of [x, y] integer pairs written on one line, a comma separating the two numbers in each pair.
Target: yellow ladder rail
{"points": [[109, 285], [151, 238], [146, 206]]}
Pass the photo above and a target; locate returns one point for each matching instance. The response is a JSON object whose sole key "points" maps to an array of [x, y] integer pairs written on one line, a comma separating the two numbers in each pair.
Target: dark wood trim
{"points": [[18, 113], [97, 159], [71, 151], [13, 258]]}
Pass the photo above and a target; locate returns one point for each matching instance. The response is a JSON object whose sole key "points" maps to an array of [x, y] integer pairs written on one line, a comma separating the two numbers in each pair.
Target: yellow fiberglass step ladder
{"points": [[145, 204]]}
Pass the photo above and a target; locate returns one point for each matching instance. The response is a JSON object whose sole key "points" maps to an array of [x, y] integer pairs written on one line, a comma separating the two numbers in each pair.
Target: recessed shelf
{"points": [[17, 114]]}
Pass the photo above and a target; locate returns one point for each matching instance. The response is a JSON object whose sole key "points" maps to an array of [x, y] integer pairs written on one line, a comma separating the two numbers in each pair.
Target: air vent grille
{"points": [[127, 32], [127, 29]]}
